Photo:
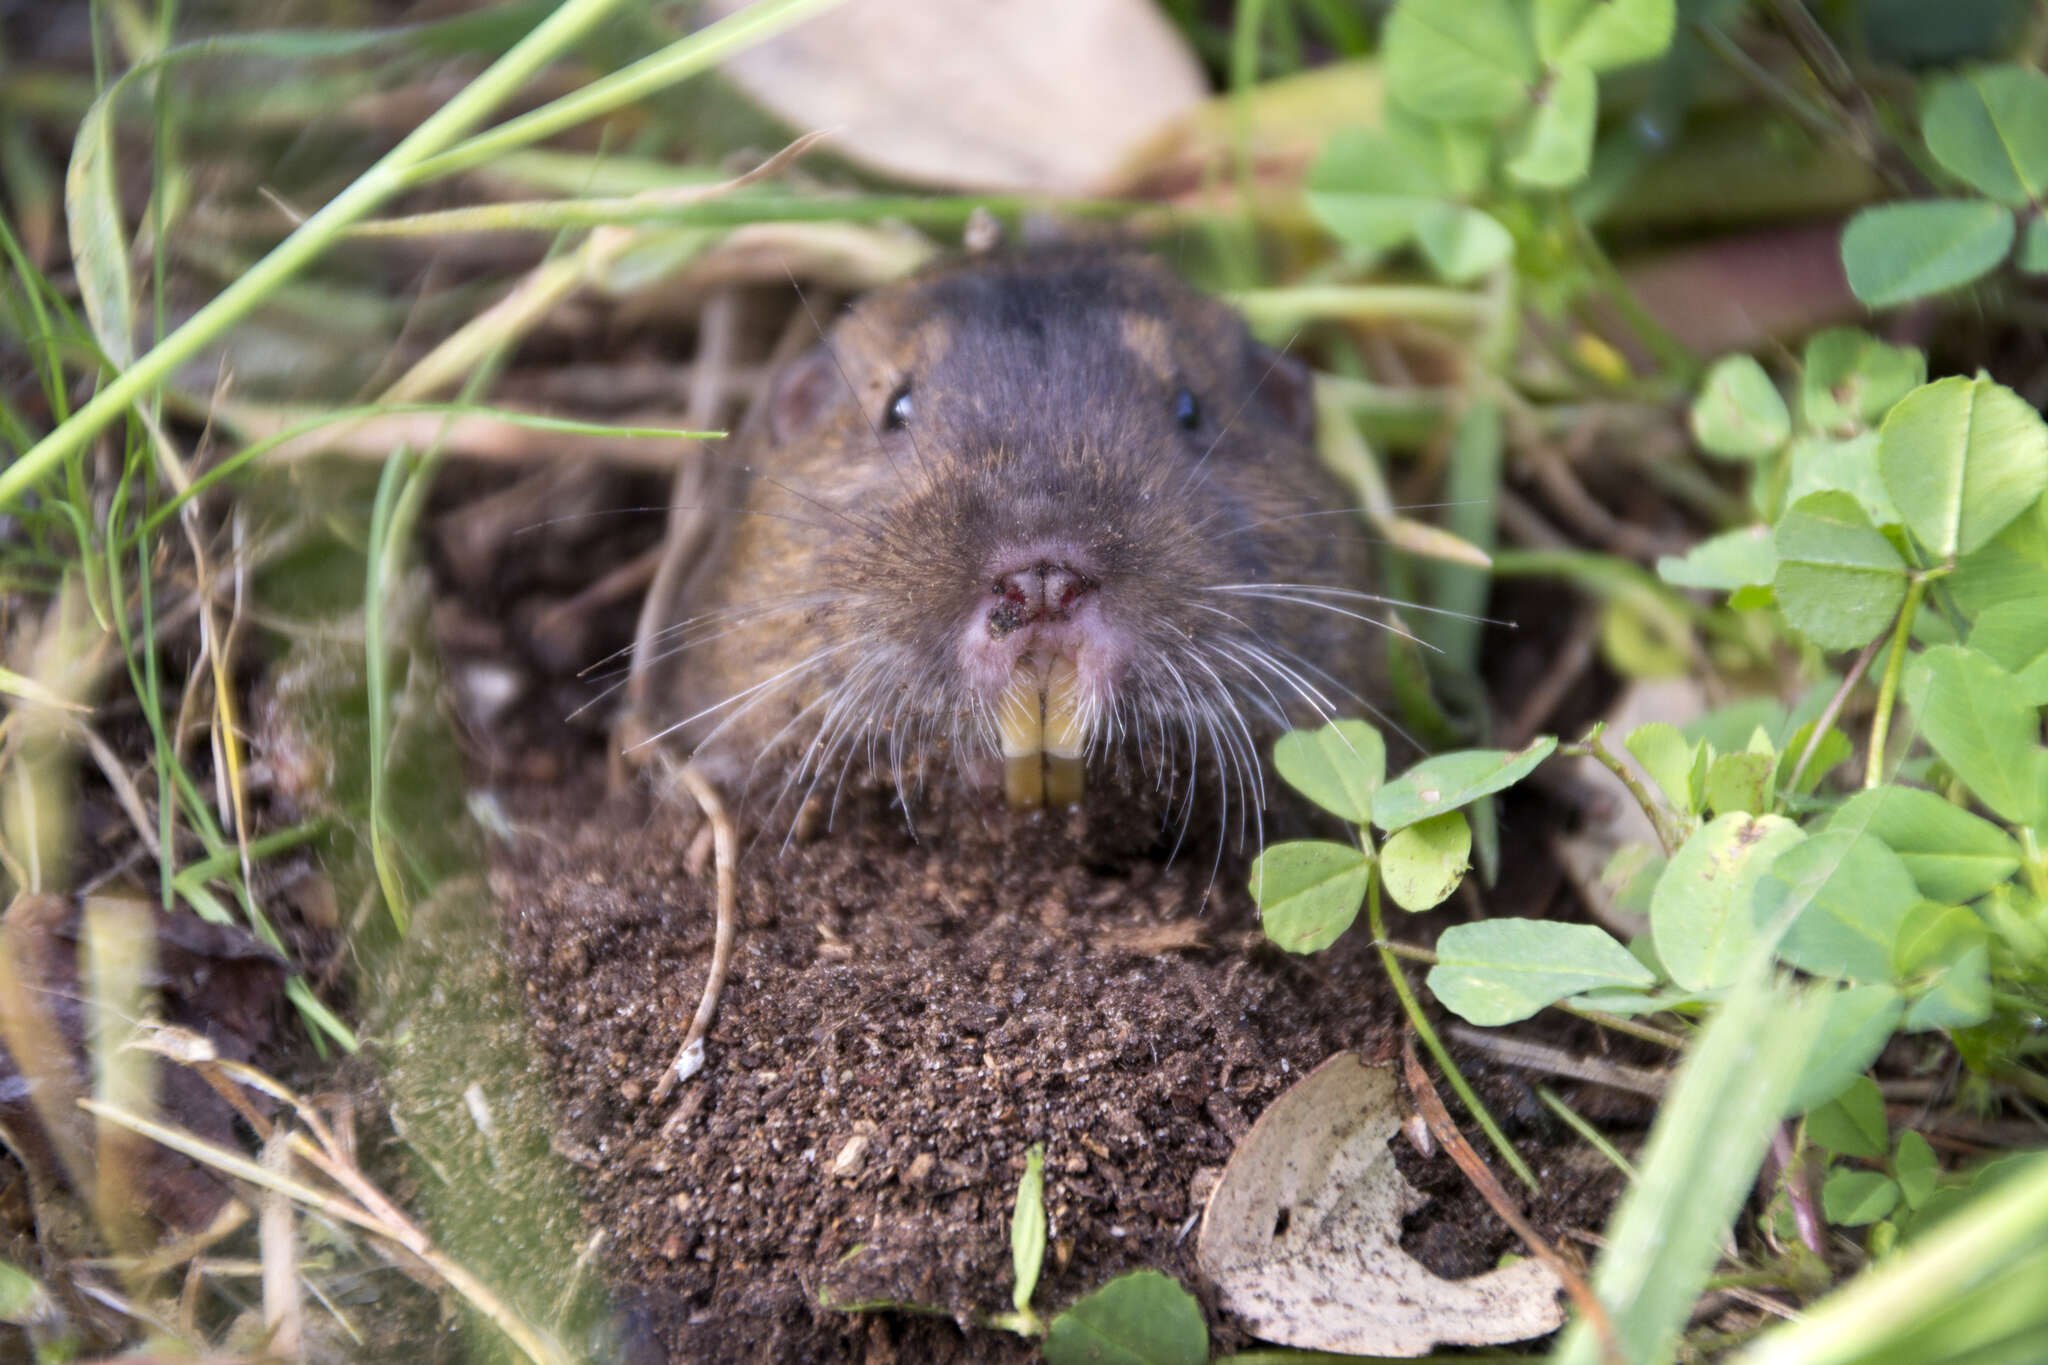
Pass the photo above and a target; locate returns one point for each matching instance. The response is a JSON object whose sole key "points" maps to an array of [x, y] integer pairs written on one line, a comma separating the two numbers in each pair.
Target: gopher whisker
{"points": [[1355, 595], [1336, 610], [737, 612], [813, 661]]}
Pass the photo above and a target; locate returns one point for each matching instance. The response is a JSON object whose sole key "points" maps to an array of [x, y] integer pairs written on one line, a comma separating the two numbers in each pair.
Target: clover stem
{"points": [[1669, 828], [1826, 719], [1421, 1024], [2032, 863], [1888, 689]]}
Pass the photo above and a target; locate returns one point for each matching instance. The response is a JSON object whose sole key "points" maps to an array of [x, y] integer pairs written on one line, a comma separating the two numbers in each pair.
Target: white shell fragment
{"points": [[1302, 1235]]}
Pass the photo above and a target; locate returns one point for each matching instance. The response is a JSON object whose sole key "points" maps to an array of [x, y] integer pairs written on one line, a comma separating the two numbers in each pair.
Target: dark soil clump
{"points": [[906, 1017]]}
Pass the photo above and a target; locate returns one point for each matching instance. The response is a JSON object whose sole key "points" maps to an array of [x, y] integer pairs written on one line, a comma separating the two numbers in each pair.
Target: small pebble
{"points": [[850, 1157]]}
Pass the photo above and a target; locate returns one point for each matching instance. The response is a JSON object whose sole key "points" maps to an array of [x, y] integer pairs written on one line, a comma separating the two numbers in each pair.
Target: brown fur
{"points": [[1042, 390]]}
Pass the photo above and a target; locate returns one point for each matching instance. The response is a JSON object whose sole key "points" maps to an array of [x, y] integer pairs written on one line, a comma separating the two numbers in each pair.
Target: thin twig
{"points": [[1818, 121], [1826, 719], [172, 1254], [1818, 51], [1866, 133], [1555, 473], [1558, 682], [725, 841], [1431, 1107], [1532, 1056]]}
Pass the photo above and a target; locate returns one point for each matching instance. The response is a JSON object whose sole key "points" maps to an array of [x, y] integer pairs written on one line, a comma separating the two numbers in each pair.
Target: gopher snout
{"points": [[1043, 592]]}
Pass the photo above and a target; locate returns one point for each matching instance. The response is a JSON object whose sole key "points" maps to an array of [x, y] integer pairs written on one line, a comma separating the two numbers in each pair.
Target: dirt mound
{"points": [[906, 1016]]}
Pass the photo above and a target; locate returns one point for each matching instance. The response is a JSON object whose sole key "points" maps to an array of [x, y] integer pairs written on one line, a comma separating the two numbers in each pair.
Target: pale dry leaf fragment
{"points": [[1302, 1235], [1044, 96], [1278, 126]]}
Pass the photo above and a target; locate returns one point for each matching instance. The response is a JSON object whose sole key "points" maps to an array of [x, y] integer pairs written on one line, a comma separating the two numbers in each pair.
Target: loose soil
{"points": [[906, 1016]]}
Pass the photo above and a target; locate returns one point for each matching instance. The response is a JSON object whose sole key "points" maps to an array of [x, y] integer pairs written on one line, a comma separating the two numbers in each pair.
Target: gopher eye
{"points": [[1186, 410], [896, 416]]}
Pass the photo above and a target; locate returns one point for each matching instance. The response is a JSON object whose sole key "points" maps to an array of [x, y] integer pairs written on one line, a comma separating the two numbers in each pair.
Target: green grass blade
{"points": [[939, 212], [142, 674], [381, 560], [230, 860], [312, 238], [656, 71], [1857, 1323], [38, 336], [316, 1013], [1703, 1155]]}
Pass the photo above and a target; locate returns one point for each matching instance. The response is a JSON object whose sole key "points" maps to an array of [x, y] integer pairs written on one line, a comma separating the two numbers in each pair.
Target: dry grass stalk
{"points": [[314, 1170]]}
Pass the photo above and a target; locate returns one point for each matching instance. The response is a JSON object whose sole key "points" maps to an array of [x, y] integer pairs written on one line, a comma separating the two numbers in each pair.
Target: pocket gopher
{"points": [[1027, 518]]}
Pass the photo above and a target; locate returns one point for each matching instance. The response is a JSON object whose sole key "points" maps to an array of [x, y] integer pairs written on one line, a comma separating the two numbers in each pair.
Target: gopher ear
{"points": [[1285, 388], [803, 393]]}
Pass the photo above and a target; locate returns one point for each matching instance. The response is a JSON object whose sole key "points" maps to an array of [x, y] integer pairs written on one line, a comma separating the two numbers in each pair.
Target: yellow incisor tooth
{"points": [[1065, 780], [1039, 722], [1065, 737], [1024, 781], [1020, 712], [1020, 723]]}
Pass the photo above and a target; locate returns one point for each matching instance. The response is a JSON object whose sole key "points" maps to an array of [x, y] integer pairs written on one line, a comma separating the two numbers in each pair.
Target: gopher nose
{"points": [[1043, 592]]}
